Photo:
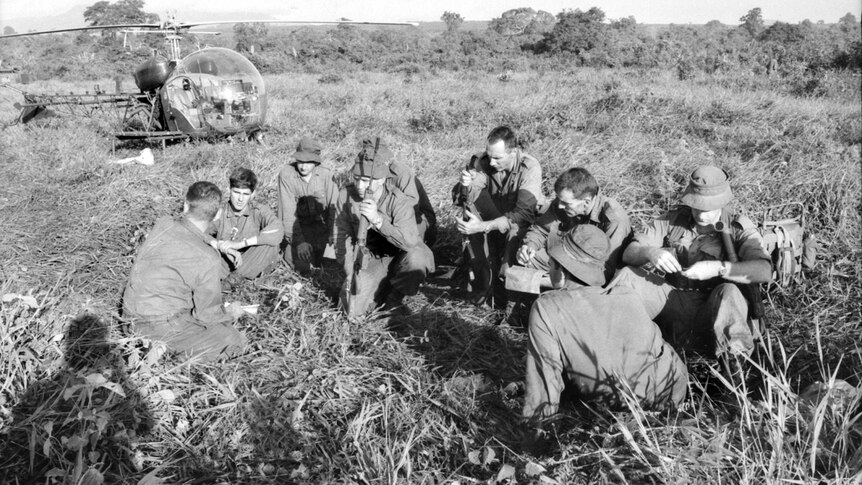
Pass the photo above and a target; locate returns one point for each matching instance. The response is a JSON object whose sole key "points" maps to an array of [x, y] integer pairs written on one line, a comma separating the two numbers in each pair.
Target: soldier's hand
{"points": [[224, 245], [466, 178], [304, 251], [525, 254], [702, 270], [368, 208], [234, 256], [471, 226], [665, 261]]}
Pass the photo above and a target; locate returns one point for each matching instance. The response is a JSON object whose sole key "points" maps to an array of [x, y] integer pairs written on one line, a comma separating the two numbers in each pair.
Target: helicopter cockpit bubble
{"points": [[229, 88]]}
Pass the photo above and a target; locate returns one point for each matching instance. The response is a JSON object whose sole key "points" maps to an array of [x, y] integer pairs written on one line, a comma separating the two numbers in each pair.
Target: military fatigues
{"points": [[607, 214], [174, 295], [398, 259], [401, 177], [253, 220], [703, 316], [306, 211], [596, 340], [513, 194]]}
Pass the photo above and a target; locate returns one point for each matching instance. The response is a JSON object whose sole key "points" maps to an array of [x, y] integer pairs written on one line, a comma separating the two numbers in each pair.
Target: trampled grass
{"points": [[433, 397]]}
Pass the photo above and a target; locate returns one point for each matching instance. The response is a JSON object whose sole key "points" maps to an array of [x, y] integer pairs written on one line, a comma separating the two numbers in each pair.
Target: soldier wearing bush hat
{"points": [[396, 260], [700, 250], [306, 204], [592, 338]]}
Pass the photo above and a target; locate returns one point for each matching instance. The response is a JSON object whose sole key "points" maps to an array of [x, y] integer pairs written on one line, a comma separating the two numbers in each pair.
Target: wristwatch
{"points": [[723, 270]]}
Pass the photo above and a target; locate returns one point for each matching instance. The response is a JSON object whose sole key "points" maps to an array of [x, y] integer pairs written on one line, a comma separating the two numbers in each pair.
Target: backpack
{"points": [[786, 242]]}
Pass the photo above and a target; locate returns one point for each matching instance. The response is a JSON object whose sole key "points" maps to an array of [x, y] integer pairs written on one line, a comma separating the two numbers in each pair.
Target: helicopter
{"points": [[211, 93]]}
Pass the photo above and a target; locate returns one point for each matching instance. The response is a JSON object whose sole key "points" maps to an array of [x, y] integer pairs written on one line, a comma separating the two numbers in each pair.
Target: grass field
{"points": [[433, 397]]}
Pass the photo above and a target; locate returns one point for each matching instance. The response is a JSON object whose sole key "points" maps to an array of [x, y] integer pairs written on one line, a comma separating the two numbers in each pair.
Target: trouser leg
{"points": [[408, 271], [728, 312], [365, 287], [194, 339], [257, 260], [540, 261]]}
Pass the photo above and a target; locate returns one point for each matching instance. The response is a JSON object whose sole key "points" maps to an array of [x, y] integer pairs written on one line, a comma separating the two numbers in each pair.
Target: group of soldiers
{"points": [[619, 307]]}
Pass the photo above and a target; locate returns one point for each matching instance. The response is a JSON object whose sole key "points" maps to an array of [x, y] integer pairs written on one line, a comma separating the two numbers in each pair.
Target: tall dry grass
{"points": [[433, 397]]}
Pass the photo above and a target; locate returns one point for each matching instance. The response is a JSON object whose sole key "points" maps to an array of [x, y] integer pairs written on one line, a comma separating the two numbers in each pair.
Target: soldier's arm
{"points": [[647, 248], [754, 265], [529, 194], [272, 231], [206, 295], [537, 235], [618, 228], [399, 228]]}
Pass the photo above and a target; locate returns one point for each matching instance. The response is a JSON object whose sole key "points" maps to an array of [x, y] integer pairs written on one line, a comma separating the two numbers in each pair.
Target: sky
{"points": [[644, 11]]}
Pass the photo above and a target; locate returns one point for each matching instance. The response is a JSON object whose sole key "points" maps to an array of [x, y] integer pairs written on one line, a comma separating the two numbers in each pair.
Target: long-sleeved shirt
{"points": [[402, 178], [175, 273], [305, 203], [677, 231], [515, 193], [607, 214], [398, 231], [253, 220]]}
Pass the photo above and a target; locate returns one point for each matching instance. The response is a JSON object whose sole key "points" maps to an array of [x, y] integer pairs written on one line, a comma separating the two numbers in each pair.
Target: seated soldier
{"points": [[578, 202], [306, 203], [696, 301], [394, 260], [499, 189], [249, 228], [601, 344], [173, 294], [401, 177]]}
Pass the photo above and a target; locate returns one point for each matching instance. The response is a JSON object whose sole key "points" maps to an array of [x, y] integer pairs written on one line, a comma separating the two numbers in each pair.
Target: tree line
{"points": [[519, 39]]}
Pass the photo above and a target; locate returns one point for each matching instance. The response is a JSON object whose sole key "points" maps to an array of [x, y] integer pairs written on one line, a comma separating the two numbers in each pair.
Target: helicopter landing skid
{"points": [[162, 136]]}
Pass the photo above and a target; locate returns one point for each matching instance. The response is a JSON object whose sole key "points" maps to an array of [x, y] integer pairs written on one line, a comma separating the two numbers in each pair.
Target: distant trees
{"points": [[8, 30], [248, 35], [452, 20], [577, 32], [522, 21], [752, 22], [120, 12]]}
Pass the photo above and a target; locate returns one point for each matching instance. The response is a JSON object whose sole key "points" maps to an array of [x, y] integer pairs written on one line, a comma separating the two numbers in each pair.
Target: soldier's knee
{"points": [[729, 292], [418, 258]]}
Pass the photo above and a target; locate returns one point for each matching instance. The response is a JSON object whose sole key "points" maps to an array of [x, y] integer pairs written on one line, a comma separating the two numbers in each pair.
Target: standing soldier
{"points": [[249, 228], [306, 203], [377, 240], [703, 249], [503, 184], [578, 202]]}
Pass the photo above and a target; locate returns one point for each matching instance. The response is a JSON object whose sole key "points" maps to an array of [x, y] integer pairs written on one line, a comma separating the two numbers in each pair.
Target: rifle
{"points": [[750, 291], [361, 254]]}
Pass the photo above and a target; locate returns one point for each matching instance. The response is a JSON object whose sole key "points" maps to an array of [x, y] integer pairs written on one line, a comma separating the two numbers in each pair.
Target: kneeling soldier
{"points": [[603, 344], [377, 240], [173, 294]]}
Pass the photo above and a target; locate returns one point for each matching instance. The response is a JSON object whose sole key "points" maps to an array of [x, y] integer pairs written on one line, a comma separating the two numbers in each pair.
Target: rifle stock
{"points": [[360, 257]]}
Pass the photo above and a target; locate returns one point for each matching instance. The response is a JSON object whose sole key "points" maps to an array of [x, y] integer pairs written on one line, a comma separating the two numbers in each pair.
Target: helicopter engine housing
{"points": [[152, 73]]}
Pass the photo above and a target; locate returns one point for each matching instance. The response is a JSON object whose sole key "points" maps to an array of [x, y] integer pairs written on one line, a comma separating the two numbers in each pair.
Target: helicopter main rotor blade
{"points": [[186, 25], [90, 27]]}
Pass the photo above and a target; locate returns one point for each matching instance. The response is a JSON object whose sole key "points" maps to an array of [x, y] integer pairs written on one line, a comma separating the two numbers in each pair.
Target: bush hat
{"points": [[307, 150], [708, 189], [582, 252], [373, 162]]}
